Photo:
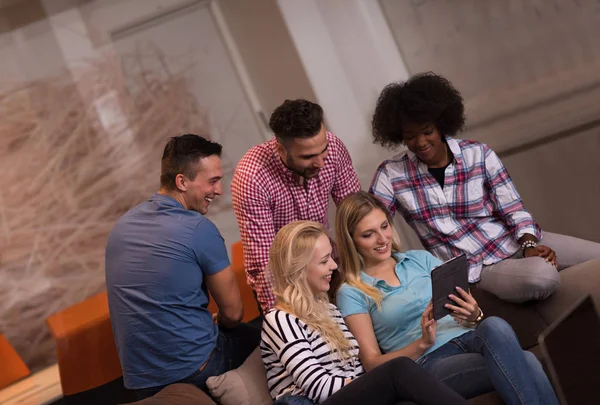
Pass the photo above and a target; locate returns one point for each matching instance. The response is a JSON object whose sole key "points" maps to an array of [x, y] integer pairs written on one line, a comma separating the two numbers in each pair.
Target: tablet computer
{"points": [[444, 280]]}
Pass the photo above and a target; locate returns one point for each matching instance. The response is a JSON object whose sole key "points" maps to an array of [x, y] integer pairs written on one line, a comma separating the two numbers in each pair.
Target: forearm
{"points": [[257, 230], [412, 351], [263, 287], [229, 320]]}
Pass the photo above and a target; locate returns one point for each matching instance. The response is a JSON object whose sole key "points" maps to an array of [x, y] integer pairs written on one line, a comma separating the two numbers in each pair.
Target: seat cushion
{"points": [[178, 394], [491, 398], [246, 385]]}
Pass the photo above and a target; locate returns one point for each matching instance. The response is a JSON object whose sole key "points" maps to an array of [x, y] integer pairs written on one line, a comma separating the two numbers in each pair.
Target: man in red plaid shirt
{"points": [[286, 179]]}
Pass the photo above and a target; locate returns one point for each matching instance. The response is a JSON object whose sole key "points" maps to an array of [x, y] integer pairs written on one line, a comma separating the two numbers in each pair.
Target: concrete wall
{"points": [[268, 52]]}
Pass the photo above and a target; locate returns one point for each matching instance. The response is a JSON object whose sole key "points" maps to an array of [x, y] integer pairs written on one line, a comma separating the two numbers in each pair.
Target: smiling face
{"points": [[427, 143], [373, 238], [321, 266], [305, 156], [199, 192]]}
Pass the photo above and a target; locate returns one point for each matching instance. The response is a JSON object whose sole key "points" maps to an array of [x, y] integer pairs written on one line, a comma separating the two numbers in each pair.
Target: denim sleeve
{"points": [[209, 247]]}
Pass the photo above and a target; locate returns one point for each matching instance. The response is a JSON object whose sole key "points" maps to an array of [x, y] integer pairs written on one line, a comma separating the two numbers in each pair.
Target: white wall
{"points": [[267, 52], [22, 51], [526, 69], [349, 55]]}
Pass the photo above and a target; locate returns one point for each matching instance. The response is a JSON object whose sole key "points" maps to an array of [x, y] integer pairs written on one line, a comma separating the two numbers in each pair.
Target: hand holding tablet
{"points": [[465, 308], [444, 280]]}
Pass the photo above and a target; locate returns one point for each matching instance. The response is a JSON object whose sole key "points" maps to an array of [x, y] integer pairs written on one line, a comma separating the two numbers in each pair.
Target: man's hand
{"points": [[542, 251]]}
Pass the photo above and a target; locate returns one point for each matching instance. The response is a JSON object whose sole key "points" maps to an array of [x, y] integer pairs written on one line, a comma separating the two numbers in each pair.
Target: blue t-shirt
{"points": [[157, 255], [398, 323]]}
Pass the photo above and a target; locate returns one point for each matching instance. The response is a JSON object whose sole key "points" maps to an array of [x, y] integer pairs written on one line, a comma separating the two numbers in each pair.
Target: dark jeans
{"points": [[232, 348], [400, 379]]}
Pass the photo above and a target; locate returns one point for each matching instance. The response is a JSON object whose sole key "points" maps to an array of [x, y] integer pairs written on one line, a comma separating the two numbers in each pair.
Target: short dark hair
{"points": [[181, 154], [296, 119], [425, 98]]}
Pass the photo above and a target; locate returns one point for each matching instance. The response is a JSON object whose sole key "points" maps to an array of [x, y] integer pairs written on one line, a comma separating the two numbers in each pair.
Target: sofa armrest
{"points": [[575, 282], [523, 318]]}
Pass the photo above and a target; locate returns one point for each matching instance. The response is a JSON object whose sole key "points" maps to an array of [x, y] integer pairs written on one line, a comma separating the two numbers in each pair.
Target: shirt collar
{"points": [[399, 256], [454, 148], [165, 200]]}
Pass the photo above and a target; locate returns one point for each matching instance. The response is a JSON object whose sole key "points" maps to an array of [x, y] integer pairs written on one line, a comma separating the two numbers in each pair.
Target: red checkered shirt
{"points": [[267, 196]]}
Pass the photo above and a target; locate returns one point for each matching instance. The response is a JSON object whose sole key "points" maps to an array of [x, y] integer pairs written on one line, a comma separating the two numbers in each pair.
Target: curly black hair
{"points": [[425, 98], [296, 119]]}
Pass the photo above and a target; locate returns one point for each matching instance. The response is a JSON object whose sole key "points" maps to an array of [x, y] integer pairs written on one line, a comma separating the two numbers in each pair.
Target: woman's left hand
{"points": [[466, 308]]}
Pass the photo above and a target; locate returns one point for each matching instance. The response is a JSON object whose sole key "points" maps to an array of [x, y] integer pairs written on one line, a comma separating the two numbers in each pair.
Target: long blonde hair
{"points": [[350, 212], [289, 256]]}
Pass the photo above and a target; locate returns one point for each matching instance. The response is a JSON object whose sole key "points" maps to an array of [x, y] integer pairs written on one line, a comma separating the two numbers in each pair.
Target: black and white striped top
{"points": [[299, 362]]}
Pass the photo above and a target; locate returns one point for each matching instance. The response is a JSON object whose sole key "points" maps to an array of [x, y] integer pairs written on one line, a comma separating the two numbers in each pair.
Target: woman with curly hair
{"points": [[309, 354], [459, 198]]}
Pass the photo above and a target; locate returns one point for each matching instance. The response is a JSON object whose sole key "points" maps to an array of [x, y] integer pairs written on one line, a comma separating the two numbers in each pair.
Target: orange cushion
{"points": [[13, 368], [85, 346]]}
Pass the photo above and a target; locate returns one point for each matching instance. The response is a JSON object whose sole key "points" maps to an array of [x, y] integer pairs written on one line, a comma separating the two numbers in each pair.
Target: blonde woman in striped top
{"points": [[309, 354]]}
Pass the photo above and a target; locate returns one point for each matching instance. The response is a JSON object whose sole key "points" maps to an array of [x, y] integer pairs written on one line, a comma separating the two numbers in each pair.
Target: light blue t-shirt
{"points": [[398, 323], [157, 257]]}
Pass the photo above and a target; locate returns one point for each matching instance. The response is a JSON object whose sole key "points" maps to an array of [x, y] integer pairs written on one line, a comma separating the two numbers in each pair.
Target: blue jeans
{"points": [[293, 400], [232, 348], [488, 358]]}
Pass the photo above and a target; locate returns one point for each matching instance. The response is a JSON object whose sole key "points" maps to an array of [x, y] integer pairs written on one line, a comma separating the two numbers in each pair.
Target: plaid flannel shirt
{"points": [[267, 196], [478, 212]]}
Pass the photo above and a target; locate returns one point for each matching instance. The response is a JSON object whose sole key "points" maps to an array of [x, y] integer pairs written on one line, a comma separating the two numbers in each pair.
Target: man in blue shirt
{"points": [[162, 258]]}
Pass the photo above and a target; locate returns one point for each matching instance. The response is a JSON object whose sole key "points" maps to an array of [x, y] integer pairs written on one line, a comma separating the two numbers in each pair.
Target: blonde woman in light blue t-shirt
{"points": [[385, 300]]}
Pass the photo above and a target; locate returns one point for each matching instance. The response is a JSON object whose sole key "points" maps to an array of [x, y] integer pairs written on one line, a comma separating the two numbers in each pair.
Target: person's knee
{"points": [[537, 280], [496, 329], [542, 280], [400, 366], [523, 280]]}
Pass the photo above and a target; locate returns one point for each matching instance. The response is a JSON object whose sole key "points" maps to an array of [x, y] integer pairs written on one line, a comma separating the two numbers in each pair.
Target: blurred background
{"points": [[90, 90]]}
